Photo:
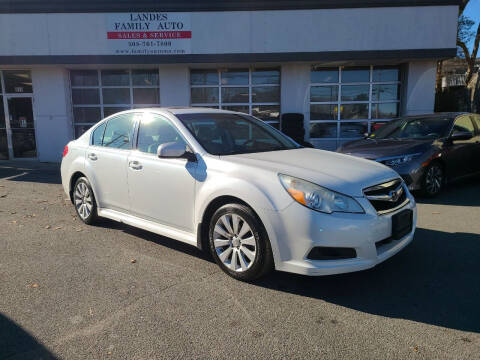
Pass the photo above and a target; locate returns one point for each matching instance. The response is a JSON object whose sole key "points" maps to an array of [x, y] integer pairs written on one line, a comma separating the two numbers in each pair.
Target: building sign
{"points": [[149, 33]]}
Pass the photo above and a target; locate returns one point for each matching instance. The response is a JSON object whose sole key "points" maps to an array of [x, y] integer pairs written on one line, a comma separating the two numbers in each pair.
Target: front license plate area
{"points": [[402, 224]]}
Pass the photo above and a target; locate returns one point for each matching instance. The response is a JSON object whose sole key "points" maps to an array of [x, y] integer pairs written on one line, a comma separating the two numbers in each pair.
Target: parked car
{"points": [[232, 184], [426, 150]]}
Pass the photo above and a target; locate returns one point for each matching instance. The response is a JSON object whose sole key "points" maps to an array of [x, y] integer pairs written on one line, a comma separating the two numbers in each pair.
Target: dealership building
{"points": [[347, 65]]}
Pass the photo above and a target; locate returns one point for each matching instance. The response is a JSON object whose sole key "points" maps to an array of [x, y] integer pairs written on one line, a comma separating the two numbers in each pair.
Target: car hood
{"points": [[342, 173], [375, 149]]}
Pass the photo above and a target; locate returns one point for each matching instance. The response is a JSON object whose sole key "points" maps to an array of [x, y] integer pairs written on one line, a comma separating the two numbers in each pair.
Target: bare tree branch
{"points": [[465, 50], [470, 58], [476, 44], [463, 4]]}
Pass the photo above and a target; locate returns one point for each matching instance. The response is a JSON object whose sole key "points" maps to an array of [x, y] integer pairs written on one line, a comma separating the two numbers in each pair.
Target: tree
{"points": [[464, 32], [464, 35]]}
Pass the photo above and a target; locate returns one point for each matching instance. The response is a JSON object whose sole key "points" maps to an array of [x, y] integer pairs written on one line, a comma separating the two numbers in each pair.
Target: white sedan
{"points": [[231, 184]]}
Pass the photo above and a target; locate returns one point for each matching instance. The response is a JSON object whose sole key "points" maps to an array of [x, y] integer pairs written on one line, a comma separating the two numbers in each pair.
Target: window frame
{"points": [[250, 85], [101, 105], [338, 103]]}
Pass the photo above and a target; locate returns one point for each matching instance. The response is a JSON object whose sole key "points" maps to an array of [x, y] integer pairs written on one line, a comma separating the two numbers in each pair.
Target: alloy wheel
{"points": [[234, 242], [434, 179], [83, 200]]}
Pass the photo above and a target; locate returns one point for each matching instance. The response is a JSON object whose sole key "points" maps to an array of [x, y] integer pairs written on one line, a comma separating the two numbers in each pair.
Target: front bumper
{"points": [[412, 173], [296, 230]]}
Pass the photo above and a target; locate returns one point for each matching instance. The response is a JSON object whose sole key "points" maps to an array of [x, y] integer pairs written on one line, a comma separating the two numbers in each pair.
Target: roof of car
{"points": [[437, 114], [177, 110]]}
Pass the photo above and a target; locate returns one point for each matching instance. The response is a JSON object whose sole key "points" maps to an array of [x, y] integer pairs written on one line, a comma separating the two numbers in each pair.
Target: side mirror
{"points": [[174, 150], [461, 135]]}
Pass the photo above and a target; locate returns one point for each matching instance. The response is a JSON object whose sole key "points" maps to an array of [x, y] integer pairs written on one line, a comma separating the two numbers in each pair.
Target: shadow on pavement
{"points": [[464, 192], [435, 280], [16, 343], [30, 172]]}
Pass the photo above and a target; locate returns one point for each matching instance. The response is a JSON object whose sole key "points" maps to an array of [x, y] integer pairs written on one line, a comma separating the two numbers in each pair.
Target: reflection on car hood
{"points": [[338, 172], [375, 149]]}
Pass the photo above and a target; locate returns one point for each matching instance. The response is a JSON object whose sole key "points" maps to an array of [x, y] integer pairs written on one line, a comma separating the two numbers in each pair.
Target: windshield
{"points": [[414, 128], [228, 134]]}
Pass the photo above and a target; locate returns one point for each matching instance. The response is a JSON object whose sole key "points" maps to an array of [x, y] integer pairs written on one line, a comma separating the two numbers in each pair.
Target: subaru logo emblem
{"points": [[395, 194]]}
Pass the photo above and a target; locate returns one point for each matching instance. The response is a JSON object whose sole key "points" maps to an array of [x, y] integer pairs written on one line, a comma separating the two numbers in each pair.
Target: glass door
{"points": [[22, 129], [3, 133]]}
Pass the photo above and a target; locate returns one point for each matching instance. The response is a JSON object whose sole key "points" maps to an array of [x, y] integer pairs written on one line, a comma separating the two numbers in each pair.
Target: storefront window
{"points": [[17, 81], [97, 94], [346, 102], [255, 92]]}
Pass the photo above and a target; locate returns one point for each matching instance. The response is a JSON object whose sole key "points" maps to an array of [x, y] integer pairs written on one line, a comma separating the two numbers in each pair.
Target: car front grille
{"points": [[387, 197]]}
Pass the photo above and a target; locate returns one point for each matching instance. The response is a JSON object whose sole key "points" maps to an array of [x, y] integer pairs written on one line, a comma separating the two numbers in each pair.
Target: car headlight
{"points": [[318, 198], [399, 160]]}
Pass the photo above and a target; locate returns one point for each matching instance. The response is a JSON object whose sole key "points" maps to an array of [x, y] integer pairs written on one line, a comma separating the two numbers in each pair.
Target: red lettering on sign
{"points": [[121, 35]]}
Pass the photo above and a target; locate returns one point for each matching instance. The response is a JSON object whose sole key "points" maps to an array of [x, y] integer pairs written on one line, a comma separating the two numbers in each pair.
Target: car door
{"points": [[161, 190], [476, 155], [107, 158], [460, 152]]}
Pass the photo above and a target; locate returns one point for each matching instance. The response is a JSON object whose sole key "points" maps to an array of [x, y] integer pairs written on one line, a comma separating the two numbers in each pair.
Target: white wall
{"points": [[174, 85], [246, 31], [295, 85], [52, 112], [420, 93]]}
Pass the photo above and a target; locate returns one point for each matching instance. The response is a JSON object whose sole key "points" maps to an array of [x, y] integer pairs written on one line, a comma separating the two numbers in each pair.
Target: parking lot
{"points": [[71, 291]]}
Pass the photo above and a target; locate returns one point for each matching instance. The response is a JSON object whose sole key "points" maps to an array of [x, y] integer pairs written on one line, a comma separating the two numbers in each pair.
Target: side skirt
{"points": [[151, 226]]}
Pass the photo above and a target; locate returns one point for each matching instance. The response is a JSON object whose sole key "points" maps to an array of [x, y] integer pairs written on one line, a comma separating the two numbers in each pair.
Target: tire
{"points": [[433, 180], [242, 252], [84, 201]]}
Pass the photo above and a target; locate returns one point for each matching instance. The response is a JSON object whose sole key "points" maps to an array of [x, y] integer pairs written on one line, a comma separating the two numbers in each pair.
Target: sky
{"points": [[473, 12]]}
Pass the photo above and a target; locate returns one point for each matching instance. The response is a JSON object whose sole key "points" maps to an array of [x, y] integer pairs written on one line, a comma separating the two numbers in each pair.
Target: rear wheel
{"points": [[434, 179], [239, 243], [84, 201]]}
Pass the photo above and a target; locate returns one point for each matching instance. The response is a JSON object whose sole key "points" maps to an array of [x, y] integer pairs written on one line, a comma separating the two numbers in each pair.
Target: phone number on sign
{"points": [[149, 43]]}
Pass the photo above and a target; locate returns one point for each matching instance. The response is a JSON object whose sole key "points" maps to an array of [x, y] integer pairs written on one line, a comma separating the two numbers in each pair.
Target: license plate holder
{"points": [[402, 224]]}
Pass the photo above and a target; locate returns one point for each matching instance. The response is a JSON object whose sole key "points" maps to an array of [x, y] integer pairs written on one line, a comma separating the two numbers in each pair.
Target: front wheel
{"points": [[84, 201], [434, 180], [239, 243]]}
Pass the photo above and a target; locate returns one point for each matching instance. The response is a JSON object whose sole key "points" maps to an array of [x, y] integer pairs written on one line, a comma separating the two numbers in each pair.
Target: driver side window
{"points": [[462, 124], [154, 131]]}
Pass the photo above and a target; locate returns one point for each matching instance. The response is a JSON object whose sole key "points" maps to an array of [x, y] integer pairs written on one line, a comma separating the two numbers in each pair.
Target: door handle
{"points": [[92, 156], [135, 165]]}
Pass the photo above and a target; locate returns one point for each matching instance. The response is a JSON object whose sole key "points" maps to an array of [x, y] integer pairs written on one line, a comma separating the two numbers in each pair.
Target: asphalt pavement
{"points": [[110, 291]]}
